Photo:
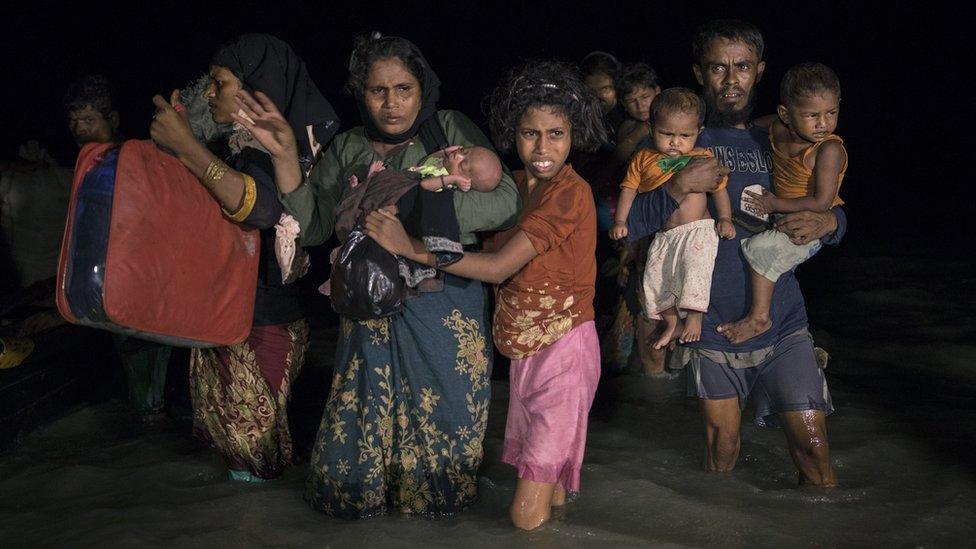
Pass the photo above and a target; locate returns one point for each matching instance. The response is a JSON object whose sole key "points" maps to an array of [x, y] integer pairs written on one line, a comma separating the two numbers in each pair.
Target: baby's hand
{"points": [[725, 228], [618, 230], [458, 182], [375, 168]]}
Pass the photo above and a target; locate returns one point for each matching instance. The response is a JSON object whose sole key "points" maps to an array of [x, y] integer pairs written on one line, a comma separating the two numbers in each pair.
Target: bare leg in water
{"points": [[722, 441], [806, 435], [533, 503]]}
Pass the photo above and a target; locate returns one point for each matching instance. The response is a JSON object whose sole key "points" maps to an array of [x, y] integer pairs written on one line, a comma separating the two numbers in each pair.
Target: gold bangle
{"points": [[250, 195], [214, 174]]}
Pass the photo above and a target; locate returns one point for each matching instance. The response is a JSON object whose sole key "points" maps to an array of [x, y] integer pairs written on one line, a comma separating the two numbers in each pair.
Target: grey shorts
{"points": [[788, 380]]}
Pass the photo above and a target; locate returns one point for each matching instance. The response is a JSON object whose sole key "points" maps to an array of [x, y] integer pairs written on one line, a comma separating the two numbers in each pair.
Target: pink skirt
{"points": [[551, 394]]}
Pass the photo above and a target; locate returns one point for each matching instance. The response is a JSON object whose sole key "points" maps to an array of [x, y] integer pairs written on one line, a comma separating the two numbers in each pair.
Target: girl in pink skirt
{"points": [[544, 268]]}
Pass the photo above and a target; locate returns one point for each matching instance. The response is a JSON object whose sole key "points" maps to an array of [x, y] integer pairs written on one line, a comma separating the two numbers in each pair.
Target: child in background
{"points": [[809, 162], [678, 275], [637, 86]]}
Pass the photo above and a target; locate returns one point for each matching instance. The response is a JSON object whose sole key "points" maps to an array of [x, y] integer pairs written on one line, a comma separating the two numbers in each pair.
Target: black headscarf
{"points": [[266, 64], [430, 90]]}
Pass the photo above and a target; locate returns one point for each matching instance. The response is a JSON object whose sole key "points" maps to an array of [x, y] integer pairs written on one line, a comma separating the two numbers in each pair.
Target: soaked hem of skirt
{"points": [[392, 511], [565, 475], [389, 510]]}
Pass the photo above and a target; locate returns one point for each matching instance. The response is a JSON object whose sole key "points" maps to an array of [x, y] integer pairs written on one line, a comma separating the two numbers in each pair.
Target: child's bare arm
{"points": [[723, 207], [494, 267], [624, 202], [830, 160], [449, 181]]}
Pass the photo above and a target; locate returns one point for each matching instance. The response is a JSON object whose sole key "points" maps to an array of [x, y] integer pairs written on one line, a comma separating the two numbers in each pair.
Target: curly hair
{"points": [[733, 30], [635, 76], [93, 90], [678, 100], [367, 49], [549, 84], [807, 79]]}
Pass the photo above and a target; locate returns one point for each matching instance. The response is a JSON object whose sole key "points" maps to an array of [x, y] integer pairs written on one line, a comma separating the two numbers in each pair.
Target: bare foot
{"points": [[672, 327], [692, 330], [745, 329]]}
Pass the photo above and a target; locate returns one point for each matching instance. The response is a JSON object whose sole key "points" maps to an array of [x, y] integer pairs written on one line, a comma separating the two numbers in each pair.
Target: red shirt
{"points": [[552, 293]]}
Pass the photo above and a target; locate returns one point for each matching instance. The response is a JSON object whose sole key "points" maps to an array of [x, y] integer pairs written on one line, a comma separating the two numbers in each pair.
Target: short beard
{"points": [[717, 118]]}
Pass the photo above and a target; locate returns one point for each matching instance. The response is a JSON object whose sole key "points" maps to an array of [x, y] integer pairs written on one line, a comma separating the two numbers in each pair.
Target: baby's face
{"points": [[458, 163], [675, 133]]}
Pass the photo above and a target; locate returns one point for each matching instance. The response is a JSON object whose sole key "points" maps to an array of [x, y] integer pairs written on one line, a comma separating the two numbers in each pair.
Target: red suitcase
{"points": [[147, 251]]}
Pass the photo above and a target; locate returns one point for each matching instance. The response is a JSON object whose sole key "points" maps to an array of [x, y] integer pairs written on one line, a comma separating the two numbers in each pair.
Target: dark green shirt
{"points": [[313, 203]]}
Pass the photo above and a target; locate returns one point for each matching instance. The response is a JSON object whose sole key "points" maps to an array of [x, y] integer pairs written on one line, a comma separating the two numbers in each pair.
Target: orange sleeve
{"points": [[643, 172], [556, 217]]}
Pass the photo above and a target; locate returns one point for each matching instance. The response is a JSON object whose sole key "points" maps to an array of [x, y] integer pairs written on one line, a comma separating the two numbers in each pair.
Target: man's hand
{"points": [[805, 227], [701, 175]]}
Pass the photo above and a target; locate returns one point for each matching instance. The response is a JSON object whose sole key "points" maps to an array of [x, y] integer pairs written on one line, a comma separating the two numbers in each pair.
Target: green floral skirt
{"points": [[407, 411]]}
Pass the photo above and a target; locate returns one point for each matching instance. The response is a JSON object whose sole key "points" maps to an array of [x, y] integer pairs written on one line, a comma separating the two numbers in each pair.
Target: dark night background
{"points": [[899, 118], [893, 303]]}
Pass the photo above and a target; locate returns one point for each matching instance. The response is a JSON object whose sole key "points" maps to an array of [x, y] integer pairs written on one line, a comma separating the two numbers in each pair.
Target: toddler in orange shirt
{"points": [[678, 275]]}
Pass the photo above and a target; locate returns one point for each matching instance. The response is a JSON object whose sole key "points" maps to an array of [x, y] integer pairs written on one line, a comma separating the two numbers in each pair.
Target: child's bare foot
{"points": [[672, 327], [692, 329], [745, 329]]}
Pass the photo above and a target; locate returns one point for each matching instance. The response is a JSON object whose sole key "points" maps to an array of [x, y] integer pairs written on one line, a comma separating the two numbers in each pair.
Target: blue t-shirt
{"points": [[747, 155]]}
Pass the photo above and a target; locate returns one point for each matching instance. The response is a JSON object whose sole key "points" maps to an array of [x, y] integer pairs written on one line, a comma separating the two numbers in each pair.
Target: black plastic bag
{"points": [[366, 281]]}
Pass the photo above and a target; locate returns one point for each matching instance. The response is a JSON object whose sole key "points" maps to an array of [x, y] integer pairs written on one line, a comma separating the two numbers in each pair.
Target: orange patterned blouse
{"points": [[552, 293]]}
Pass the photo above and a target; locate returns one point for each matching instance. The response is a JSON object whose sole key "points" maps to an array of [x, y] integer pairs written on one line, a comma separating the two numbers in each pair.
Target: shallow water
{"points": [[902, 376]]}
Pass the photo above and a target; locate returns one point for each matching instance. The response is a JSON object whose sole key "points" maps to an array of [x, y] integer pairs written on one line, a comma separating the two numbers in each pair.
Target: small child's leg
{"points": [[757, 321], [672, 327], [693, 325]]}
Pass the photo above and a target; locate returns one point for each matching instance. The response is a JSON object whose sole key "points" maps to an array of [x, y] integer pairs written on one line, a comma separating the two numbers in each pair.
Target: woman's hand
{"points": [[265, 122], [804, 227], [384, 227], [170, 127]]}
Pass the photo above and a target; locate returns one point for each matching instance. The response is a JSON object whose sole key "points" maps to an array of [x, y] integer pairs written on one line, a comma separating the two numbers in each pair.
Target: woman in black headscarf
{"points": [[240, 392], [407, 413]]}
